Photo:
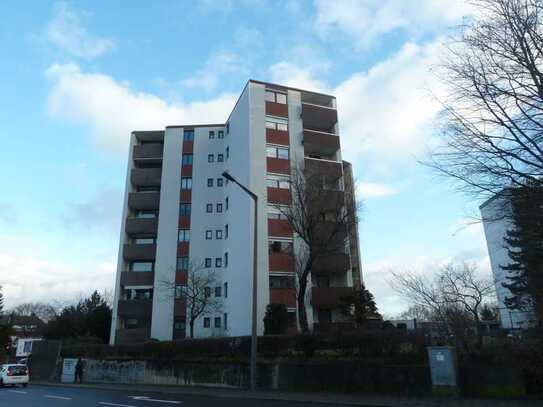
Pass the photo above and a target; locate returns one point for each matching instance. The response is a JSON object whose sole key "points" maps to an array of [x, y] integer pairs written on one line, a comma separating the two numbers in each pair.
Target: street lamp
{"points": [[255, 279]]}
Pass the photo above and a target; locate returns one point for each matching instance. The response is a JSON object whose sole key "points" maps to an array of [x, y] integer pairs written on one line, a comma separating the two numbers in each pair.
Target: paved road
{"points": [[67, 396]]}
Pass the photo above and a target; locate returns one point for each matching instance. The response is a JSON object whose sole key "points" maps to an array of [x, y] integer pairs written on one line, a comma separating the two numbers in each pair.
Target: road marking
{"points": [[145, 398], [18, 391], [57, 397], [104, 403]]}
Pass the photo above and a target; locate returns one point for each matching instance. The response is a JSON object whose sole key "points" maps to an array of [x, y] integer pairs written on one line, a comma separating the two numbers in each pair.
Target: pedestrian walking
{"points": [[79, 370]]}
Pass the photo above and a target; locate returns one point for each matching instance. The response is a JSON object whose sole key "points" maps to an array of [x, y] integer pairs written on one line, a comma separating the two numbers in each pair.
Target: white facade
{"points": [[241, 150], [496, 226]]}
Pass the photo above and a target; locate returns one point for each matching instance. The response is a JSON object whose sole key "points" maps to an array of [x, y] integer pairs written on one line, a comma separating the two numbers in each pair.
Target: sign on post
{"points": [[442, 361], [68, 371]]}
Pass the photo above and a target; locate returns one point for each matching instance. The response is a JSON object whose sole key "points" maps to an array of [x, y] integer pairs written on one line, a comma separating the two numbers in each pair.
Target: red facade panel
{"points": [[276, 109], [182, 249], [186, 170], [285, 296], [279, 228], [279, 196], [277, 165], [277, 137], [186, 195], [181, 277], [281, 262], [184, 222], [188, 146]]}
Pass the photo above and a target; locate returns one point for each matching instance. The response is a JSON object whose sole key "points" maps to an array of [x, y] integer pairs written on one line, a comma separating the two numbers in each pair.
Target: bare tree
{"points": [[493, 113], [198, 293], [319, 218], [454, 297], [42, 310]]}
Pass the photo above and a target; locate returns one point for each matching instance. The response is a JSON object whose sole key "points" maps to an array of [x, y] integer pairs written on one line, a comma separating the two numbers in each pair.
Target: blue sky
{"points": [[77, 77]]}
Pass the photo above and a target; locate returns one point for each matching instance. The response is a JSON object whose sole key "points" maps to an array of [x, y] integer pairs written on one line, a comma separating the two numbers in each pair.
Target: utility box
{"points": [[443, 369]]}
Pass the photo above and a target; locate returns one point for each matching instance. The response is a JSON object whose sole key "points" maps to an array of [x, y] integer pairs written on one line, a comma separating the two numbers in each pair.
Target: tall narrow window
{"points": [[186, 183], [220, 158], [226, 259], [184, 235], [218, 262], [226, 231], [227, 152], [221, 134], [218, 291], [218, 234], [217, 322], [209, 234], [219, 182], [225, 321], [211, 134], [226, 203], [207, 292], [219, 207], [225, 290], [210, 182], [208, 262], [209, 208], [210, 158], [207, 322]]}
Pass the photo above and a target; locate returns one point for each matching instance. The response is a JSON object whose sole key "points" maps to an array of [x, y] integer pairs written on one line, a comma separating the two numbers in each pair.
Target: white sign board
{"points": [[68, 371]]}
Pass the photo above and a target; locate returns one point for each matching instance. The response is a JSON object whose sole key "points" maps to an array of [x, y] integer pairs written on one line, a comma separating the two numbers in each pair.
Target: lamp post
{"points": [[254, 197]]}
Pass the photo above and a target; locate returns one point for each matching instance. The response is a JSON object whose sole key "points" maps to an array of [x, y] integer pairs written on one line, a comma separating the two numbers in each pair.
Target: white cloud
{"points": [[366, 21], [67, 32], [97, 212], [375, 190], [290, 74], [112, 109]]}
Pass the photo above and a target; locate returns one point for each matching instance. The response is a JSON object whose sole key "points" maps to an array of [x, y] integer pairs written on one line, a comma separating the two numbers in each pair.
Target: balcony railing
{"points": [[327, 169], [285, 296], [281, 262], [318, 117], [279, 196], [135, 308], [333, 263], [320, 142], [141, 226], [279, 228], [127, 336], [329, 297], [180, 307], [146, 176], [139, 251], [148, 151], [137, 278], [144, 200], [277, 137]]}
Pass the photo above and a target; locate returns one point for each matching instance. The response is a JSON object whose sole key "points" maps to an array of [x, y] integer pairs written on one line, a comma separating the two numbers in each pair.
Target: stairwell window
{"points": [[182, 263], [186, 159], [276, 97], [186, 183], [225, 290], [188, 135], [141, 266], [184, 235], [226, 259], [184, 209], [277, 152], [276, 124]]}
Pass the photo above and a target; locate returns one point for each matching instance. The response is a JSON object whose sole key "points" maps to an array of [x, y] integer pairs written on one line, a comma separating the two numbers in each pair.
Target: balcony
{"points": [[277, 165], [279, 196], [279, 228], [146, 177], [319, 142], [285, 296], [277, 137], [180, 307], [132, 278], [139, 251], [318, 117], [144, 200], [151, 151], [330, 170], [329, 297], [334, 263], [322, 327], [150, 136], [129, 336], [281, 262], [276, 109], [135, 308], [141, 226]]}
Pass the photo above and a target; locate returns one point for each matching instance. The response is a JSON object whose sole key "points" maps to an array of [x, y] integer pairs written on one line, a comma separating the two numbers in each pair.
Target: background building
{"points": [[179, 211], [496, 224]]}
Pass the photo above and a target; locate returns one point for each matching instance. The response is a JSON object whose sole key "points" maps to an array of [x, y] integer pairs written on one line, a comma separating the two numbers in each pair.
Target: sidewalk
{"points": [[323, 398]]}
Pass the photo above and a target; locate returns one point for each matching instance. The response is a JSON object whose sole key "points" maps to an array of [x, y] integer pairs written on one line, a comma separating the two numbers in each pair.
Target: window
{"points": [[277, 246], [179, 291], [276, 97], [227, 152], [281, 282], [184, 235], [188, 135], [226, 259], [148, 189], [221, 134], [220, 158], [278, 182], [209, 234], [182, 263], [138, 294], [218, 262], [218, 291], [227, 127], [131, 323], [186, 159], [209, 208], [210, 182], [274, 215], [277, 152], [210, 158], [226, 203], [226, 231], [141, 266], [144, 240], [217, 322], [145, 214], [179, 323], [186, 183], [184, 209], [208, 262], [276, 124], [207, 322], [219, 207], [218, 234], [207, 292], [211, 134], [225, 290], [219, 182]]}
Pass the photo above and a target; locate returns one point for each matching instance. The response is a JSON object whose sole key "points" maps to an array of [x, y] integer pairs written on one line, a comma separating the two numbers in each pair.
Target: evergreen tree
{"points": [[1, 301], [360, 305], [525, 249], [276, 319]]}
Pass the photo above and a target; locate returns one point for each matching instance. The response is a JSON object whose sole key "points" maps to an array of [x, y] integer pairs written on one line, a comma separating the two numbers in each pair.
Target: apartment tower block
{"points": [[179, 211]]}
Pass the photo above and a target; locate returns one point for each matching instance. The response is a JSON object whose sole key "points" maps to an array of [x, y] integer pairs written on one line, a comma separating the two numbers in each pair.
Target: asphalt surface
{"points": [[68, 396]]}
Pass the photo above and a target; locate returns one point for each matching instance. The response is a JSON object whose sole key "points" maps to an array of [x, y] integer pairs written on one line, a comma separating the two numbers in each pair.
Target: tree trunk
{"points": [[302, 313], [191, 324]]}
